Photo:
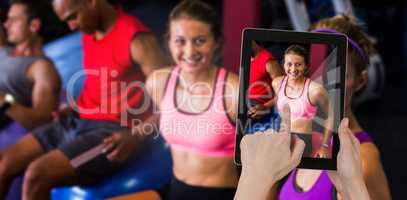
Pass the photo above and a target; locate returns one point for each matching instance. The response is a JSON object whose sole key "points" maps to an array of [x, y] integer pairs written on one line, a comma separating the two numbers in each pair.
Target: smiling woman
{"points": [[197, 103], [303, 95]]}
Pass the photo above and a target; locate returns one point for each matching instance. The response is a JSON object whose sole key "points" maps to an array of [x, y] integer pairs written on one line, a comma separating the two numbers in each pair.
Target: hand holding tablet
{"points": [[274, 159], [269, 154]]}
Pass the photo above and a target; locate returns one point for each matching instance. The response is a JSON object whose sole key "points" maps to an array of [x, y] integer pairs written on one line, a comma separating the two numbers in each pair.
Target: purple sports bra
{"points": [[322, 189]]}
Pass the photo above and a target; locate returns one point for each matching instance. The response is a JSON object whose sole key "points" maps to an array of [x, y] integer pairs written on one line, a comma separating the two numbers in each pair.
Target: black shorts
{"points": [[307, 138], [178, 190], [73, 136]]}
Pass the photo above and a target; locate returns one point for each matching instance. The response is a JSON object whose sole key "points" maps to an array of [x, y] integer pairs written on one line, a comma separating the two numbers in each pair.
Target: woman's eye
{"points": [[179, 41], [200, 41]]}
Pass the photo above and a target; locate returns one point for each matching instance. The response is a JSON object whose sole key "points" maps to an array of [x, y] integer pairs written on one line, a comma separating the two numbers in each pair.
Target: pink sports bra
{"points": [[210, 132], [300, 107]]}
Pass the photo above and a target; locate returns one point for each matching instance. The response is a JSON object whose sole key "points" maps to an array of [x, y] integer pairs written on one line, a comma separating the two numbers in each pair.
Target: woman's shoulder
{"points": [[315, 85], [316, 88], [162, 72], [159, 76], [231, 77], [369, 149], [278, 79], [277, 82], [157, 80]]}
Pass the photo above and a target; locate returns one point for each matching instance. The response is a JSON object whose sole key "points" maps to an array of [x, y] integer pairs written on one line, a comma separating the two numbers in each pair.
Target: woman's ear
{"points": [[306, 70], [361, 80], [35, 25]]}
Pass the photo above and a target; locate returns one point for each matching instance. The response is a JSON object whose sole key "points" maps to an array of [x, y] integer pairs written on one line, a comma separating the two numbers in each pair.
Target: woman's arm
{"points": [[274, 69], [231, 96], [318, 95], [373, 172]]}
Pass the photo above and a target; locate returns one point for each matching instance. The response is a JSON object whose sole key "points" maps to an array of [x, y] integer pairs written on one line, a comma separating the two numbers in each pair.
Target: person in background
{"points": [[304, 96], [263, 69], [118, 50], [269, 156], [198, 105], [300, 181]]}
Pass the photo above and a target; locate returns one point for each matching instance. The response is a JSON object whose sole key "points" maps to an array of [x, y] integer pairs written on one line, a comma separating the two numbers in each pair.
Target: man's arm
{"points": [[274, 69], [121, 144], [45, 96], [146, 52]]}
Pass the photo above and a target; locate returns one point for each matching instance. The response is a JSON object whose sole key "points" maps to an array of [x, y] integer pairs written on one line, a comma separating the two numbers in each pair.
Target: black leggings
{"points": [[307, 138], [178, 190]]}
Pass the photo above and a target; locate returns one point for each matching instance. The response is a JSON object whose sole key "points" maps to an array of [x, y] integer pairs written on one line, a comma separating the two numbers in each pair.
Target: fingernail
{"points": [[104, 150], [346, 121]]}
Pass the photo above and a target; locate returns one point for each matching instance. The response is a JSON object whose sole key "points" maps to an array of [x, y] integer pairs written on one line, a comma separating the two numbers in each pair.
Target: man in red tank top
{"points": [[119, 52], [263, 68]]}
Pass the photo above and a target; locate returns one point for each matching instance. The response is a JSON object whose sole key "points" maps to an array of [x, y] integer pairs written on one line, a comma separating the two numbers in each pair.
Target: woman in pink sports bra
{"points": [[197, 103], [303, 95], [305, 184]]}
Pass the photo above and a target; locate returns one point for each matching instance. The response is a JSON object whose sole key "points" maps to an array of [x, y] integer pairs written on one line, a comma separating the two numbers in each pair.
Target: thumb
{"points": [[285, 126]]}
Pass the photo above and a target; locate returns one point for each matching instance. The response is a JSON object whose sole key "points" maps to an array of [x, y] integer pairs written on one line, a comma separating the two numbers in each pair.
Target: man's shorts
{"points": [[74, 136]]}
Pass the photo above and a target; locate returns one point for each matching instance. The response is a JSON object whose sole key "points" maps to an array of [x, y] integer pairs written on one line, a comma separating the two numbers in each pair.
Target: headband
{"points": [[359, 50]]}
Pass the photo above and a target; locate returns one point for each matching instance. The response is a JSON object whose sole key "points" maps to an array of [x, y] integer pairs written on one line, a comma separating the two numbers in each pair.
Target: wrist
{"points": [[144, 129], [8, 101], [253, 186], [257, 177], [355, 189]]}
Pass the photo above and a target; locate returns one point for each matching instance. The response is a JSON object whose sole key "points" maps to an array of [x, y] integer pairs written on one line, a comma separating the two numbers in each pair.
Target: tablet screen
{"points": [[303, 70]]}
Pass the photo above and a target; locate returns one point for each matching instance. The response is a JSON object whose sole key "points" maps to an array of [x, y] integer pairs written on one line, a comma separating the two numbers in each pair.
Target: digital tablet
{"points": [[303, 70]]}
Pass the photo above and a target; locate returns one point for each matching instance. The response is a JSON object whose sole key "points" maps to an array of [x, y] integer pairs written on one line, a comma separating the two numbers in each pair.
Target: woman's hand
{"points": [[266, 158], [348, 179]]}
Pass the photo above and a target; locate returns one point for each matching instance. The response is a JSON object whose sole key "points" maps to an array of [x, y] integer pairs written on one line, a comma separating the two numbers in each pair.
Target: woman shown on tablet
{"points": [[315, 184], [303, 95]]}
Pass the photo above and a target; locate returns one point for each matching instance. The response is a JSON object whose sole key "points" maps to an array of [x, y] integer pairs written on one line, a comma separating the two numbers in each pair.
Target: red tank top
{"points": [[260, 88], [112, 81]]}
